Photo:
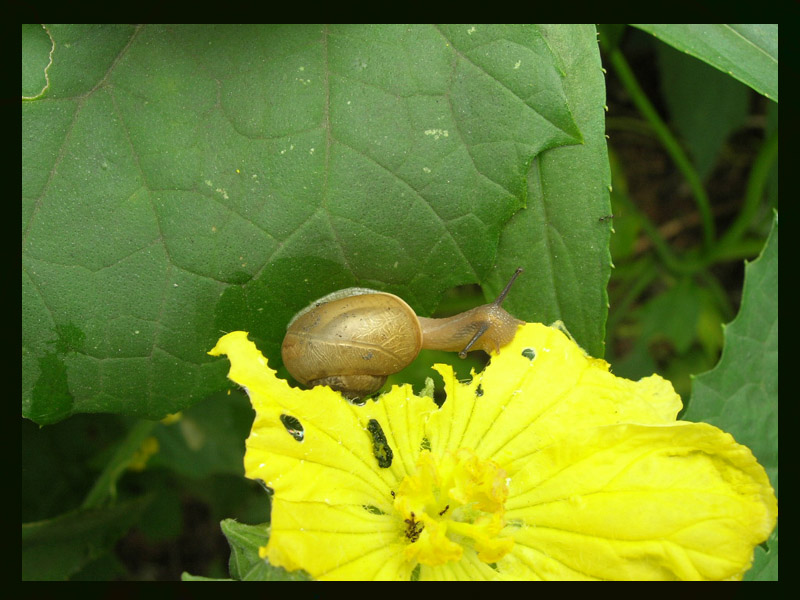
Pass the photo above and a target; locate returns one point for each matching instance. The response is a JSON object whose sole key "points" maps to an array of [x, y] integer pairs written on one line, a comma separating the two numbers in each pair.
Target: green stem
{"points": [[106, 485], [671, 145]]}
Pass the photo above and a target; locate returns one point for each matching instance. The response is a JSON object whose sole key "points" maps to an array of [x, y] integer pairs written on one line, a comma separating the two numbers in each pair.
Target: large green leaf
{"points": [[180, 181], [563, 237], [747, 52], [740, 395]]}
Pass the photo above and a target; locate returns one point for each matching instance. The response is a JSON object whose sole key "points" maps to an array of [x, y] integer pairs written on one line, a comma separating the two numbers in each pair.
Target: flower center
{"points": [[453, 503]]}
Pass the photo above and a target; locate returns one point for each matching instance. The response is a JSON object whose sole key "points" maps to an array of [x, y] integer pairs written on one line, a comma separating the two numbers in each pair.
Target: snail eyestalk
{"points": [[506, 289], [496, 304], [478, 334]]}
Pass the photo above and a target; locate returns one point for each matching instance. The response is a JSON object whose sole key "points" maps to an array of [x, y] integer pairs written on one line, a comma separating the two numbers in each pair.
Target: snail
{"points": [[351, 340]]}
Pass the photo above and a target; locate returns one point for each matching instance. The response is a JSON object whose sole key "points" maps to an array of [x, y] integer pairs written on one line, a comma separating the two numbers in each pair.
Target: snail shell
{"points": [[352, 340]]}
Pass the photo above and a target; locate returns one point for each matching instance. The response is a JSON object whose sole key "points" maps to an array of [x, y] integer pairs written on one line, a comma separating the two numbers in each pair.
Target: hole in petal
{"points": [[380, 447], [479, 391], [293, 426], [529, 353], [374, 510]]}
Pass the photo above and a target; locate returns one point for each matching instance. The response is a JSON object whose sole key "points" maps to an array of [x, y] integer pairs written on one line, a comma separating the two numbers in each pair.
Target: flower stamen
{"points": [[453, 504], [414, 528]]}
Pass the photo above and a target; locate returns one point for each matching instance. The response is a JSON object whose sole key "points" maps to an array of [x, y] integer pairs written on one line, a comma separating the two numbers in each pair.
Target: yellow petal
{"points": [[539, 388], [336, 542], [681, 501], [601, 482], [332, 508], [330, 444], [469, 568]]}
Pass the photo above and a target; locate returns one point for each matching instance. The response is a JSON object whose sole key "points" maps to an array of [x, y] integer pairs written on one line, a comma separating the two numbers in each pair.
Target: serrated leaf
{"points": [[747, 52], [765, 561], [740, 395], [183, 180], [245, 564]]}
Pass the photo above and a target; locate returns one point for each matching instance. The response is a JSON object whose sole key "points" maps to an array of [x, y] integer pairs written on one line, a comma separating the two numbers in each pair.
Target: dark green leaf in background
{"points": [[182, 181], [55, 549], [208, 438], [747, 52], [693, 90], [82, 444], [673, 315]]}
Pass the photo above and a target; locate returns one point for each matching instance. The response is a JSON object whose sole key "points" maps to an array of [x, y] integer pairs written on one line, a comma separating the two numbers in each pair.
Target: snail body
{"points": [[353, 339]]}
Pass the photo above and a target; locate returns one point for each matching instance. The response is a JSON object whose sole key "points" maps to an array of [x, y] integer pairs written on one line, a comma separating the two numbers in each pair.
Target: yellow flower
{"points": [[543, 466]]}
